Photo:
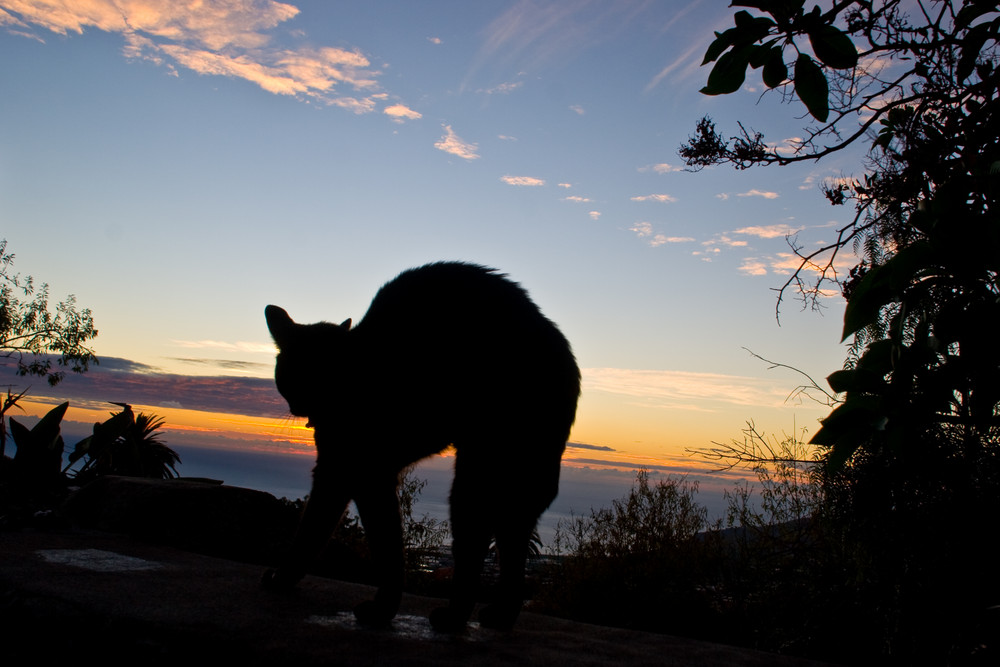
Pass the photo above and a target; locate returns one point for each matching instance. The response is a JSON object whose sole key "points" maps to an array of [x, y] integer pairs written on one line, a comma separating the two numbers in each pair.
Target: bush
{"points": [[642, 563]]}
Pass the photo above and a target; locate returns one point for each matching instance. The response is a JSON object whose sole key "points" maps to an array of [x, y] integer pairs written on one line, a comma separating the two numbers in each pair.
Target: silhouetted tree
{"points": [[28, 329], [912, 456], [925, 223]]}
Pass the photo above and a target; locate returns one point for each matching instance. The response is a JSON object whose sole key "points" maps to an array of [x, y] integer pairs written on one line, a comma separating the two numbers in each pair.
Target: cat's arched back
{"points": [[447, 354]]}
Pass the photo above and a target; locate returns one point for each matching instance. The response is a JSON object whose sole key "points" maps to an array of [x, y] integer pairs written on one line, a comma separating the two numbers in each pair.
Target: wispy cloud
{"points": [[645, 231], [661, 168], [574, 198], [749, 193], [659, 198], [577, 109], [434, 40], [769, 231], [530, 36], [758, 193], [683, 389], [595, 215], [232, 38], [503, 88], [529, 181], [239, 346], [685, 65], [452, 143]]}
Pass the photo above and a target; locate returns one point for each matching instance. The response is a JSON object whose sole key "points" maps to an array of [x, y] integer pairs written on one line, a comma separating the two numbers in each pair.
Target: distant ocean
{"points": [[289, 476]]}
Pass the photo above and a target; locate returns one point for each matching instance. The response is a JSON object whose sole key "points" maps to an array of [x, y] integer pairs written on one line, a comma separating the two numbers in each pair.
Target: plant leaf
{"points": [[833, 47], [775, 71], [728, 74], [812, 88]]}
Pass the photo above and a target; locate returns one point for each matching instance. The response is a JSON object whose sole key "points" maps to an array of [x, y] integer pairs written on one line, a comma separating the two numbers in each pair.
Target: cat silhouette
{"points": [[447, 354]]}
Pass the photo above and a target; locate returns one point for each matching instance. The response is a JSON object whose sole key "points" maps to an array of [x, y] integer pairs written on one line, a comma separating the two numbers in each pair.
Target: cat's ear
{"points": [[279, 324], [346, 324]]}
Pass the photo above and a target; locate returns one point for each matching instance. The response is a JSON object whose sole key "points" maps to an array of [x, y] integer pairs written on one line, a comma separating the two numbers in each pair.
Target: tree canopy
{"points": [[29, 330], [918, 83]]}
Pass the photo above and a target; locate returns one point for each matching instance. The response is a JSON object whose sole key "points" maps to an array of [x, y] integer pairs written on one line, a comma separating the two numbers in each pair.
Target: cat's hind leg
{"points": [[517, 519], [472, 530], [512, 542]]}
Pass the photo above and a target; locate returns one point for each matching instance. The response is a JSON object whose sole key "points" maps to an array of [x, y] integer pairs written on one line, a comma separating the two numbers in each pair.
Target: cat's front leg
{"points": [[325, 508], [378, 507]]}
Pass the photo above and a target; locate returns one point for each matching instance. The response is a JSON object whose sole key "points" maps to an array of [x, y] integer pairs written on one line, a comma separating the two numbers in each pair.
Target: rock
{"points": [[205, 516]]}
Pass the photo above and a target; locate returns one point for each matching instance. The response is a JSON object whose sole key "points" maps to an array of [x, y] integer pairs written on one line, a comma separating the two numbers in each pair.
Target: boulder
{"points": [[198, 515]]}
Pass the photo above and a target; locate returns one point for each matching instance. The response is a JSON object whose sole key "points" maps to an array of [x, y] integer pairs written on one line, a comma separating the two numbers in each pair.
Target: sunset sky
{"points": [[178, 166]]}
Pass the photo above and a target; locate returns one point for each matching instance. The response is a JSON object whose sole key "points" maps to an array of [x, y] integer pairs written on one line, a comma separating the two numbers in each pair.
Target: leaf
{"points": [[856, 380], [972, 44], [728, 74], [885, 284], [866, 302], [833, 47], [775, 71], [723, 40], [812, 88]]}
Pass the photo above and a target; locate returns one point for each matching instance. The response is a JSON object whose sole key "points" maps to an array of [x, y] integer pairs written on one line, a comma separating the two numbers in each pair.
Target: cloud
{"points": [[503, 88], [532, 36], [528, 181], [660, 198], [594, 215], [580, 445], [452, 143], [753, 267], [231, 38], [565, 185], [401, 111], [644, 230], [577, 109], [684, 389], [661, 168], [574, 198], [769, 231], [434, 40], [239, 346], [248, 367], [758, 193], [125, 381]]}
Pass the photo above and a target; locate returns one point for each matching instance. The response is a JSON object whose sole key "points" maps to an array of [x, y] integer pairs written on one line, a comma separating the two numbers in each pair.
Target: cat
{"points": [[447, 354]]}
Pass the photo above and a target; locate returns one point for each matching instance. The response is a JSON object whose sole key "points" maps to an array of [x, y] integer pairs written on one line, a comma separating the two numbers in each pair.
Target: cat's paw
{"points": [[279, 579], [446, 619], [374, 615], [498, 616]]}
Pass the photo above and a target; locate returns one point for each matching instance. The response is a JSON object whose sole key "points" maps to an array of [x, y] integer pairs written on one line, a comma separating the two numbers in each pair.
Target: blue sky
{"points": [[178, 168]]}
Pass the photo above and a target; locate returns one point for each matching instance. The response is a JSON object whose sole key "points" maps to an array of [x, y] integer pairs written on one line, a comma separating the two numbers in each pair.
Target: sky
{"points": [[178, 166]]}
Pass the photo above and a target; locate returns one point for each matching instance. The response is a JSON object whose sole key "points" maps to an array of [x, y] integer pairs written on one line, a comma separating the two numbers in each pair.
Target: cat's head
{"points": [[306, 368]]}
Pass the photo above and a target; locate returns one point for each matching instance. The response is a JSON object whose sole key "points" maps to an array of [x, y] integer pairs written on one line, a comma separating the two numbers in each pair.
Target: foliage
{"points": [[125, 444], [9, 402], [924, 91], [911, 449], [28, 329], [36, 480], [38, 461], [419, 534], [639, 563]]}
